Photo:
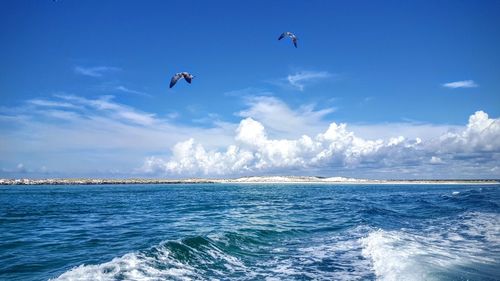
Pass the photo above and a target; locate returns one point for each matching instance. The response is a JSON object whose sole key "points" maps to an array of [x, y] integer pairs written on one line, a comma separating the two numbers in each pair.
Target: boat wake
{"points": [[445, 250]]}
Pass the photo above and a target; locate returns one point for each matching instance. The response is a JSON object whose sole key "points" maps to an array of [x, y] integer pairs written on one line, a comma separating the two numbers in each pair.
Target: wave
{"points": [[189, 259], [466, 248], [233, 256], [463, 248]]}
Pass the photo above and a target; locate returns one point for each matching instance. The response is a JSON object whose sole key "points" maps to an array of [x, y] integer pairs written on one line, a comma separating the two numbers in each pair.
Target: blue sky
{"points": [[386, 69]]}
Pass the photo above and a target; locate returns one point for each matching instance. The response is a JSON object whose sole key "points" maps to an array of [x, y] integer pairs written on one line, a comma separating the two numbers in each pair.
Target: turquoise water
{"points": [[250, 232]]}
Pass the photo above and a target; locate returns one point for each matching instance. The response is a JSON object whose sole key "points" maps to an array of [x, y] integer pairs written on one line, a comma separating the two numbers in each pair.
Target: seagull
{"points": [[180, 75], [291, 35]]}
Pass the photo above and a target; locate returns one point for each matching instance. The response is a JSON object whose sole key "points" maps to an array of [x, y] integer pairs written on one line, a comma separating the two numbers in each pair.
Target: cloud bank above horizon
{"points": [[337, 149], [47, 137]]}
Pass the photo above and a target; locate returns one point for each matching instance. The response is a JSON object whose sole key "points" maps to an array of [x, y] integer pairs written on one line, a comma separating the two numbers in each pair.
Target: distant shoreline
{"points": [[243, 180]]}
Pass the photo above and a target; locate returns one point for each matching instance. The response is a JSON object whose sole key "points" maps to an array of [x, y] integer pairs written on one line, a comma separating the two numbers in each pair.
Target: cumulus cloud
{"points": [[89, 136], [334, 149], [461, 84], [95, 71], [300, 79], [480, 135], [74, 135], [283, 121]]}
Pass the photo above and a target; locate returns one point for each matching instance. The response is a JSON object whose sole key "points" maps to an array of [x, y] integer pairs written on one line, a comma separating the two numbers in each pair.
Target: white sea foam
{"points": [[482, 225], [131, 266], [445, 248], [157, 264], [160, 264], [343, 252], [438, 250], [442, 248], [394, 256]]}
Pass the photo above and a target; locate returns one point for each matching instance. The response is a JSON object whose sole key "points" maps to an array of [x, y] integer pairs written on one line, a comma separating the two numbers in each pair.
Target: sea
{"points": [[250, 232]]}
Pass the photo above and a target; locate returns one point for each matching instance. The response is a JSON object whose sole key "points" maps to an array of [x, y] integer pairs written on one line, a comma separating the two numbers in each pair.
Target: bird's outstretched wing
{"points": [[188, 77], [291, 35], [175, 78]]}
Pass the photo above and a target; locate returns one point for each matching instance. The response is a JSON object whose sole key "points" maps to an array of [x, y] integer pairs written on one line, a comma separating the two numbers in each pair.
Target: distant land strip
{"points": [[264, 180]]}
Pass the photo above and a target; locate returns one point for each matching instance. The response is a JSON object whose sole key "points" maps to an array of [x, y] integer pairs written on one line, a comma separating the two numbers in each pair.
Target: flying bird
{"points": [[188, 77], [291, 35]]}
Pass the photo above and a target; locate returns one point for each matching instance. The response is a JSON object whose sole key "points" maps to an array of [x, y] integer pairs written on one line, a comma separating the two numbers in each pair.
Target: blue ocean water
{"points": [[250, 232]]}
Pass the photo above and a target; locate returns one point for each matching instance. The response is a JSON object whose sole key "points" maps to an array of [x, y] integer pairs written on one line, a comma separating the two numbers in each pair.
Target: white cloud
{"points": [[101, 137], [436, 160], [480, 135], [461, 84], [124, 89], [20, 167], [95, 71], [91, 137], [283, 121], [48, 103], [300, 79], [250, 91], [337, 148], [412, 130], [117, 110]]}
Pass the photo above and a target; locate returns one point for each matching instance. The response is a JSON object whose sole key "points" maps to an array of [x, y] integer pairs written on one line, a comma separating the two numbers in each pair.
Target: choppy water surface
{"points": [[250, 232]]}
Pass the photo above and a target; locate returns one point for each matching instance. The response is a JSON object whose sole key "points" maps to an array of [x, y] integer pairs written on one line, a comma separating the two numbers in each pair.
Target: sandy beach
{"points": [[244, 180]]}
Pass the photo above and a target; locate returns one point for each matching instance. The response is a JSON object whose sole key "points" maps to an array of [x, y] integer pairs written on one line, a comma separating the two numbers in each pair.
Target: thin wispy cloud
{"points": [[95, 71], [72, 135], [368, 99], [49, 103], [300, 79], [20, 168], [283, 121], [118, 111], [461, 84], [117, 87], [131, 91], [248, 92]]}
